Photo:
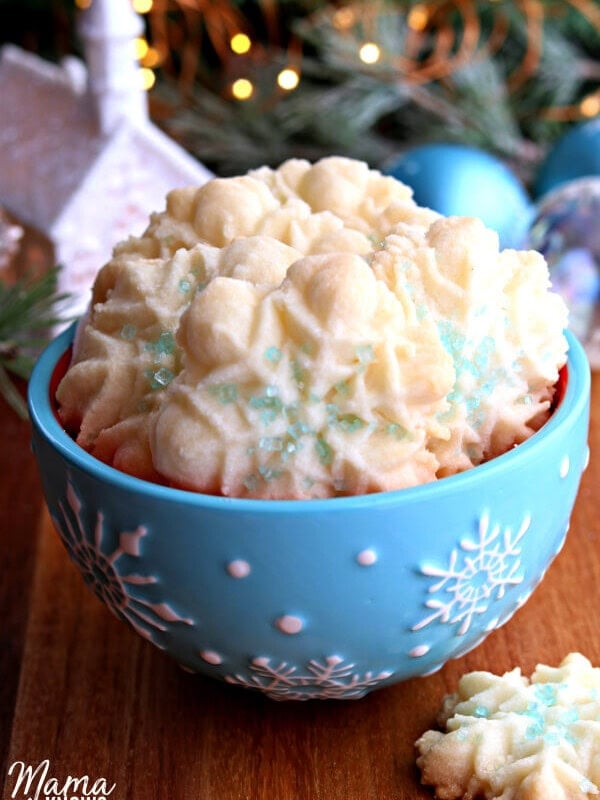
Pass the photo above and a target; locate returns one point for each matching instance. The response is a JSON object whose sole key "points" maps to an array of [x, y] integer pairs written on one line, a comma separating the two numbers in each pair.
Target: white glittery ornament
{"points": [[565, 230]]}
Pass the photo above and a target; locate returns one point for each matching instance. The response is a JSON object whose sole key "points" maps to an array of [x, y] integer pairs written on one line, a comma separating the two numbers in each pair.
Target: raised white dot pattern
{"points": [[366, 558], [289, 624], [239, 568], [565, 466], [211, 657]]}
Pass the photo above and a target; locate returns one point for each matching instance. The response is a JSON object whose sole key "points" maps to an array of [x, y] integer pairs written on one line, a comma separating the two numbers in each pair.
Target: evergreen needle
{"points": [[11, 394], [29, 308]]}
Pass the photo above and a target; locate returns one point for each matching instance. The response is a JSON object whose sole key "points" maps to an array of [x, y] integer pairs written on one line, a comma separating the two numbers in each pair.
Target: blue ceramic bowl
{"points": [[316, 598]]}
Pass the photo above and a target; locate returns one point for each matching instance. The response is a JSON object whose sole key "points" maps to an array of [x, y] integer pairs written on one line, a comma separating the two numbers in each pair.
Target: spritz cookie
{"points": [[505, 737], [309, 331]]}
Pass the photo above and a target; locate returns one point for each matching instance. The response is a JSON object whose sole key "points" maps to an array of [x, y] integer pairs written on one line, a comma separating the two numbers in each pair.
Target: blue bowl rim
{"points": [[43, 418]]}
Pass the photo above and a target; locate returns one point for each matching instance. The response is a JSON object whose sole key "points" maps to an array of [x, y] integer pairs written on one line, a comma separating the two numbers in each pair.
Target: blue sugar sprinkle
{"points": [[481, 711], [272, 444], [488, 386], [251, 483], [535, 730], [163, 346], [297, 430], [299, 374], [224, 392], [165, 343], [377, 241], [269, 404], [324, 451], [586, 786], [552, 737], [452, 340], [350, 423], [265, 402], [268, 473], [470, 359], [365, 354], [571, 715], [484, 350], [332, 412], [128, 331], [346, 422], [291, 411], [184, 286], [163, 376], [546, 693], [160, 378], [273, 354], [289, 450]]}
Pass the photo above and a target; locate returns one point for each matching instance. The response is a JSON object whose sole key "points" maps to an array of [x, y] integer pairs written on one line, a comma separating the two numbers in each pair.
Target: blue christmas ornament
{"points": [[565, 230], [575, 155], [457, 180]]}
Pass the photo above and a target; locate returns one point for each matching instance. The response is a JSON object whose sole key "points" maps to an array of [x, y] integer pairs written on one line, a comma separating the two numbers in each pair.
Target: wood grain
{"points": [[81, 689]]}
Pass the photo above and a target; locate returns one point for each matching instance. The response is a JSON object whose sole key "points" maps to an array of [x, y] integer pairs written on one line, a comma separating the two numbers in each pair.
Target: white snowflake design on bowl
{"points": [[102, 574], [478, 572], [330, 680]]}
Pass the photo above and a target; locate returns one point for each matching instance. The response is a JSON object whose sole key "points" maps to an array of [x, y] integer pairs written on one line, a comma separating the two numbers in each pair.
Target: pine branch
{"points": [[29, 309], [370, 111]]}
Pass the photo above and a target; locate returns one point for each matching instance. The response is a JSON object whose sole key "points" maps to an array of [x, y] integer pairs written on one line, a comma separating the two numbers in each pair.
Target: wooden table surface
{"points": [[79, 688]]}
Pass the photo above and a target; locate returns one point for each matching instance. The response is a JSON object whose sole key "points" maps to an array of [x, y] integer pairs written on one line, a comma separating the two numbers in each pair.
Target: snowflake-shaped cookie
{"points": [[509, 738]]}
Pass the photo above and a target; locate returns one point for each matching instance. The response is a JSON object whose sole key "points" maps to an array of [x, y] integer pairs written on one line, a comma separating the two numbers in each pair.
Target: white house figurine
{"points": [[80, 159]]}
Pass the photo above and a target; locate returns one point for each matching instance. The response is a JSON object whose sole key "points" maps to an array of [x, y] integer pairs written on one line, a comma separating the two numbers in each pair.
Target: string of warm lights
{"points": [[451, 46], [242, 88], [432, 50], [147, 55]]}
